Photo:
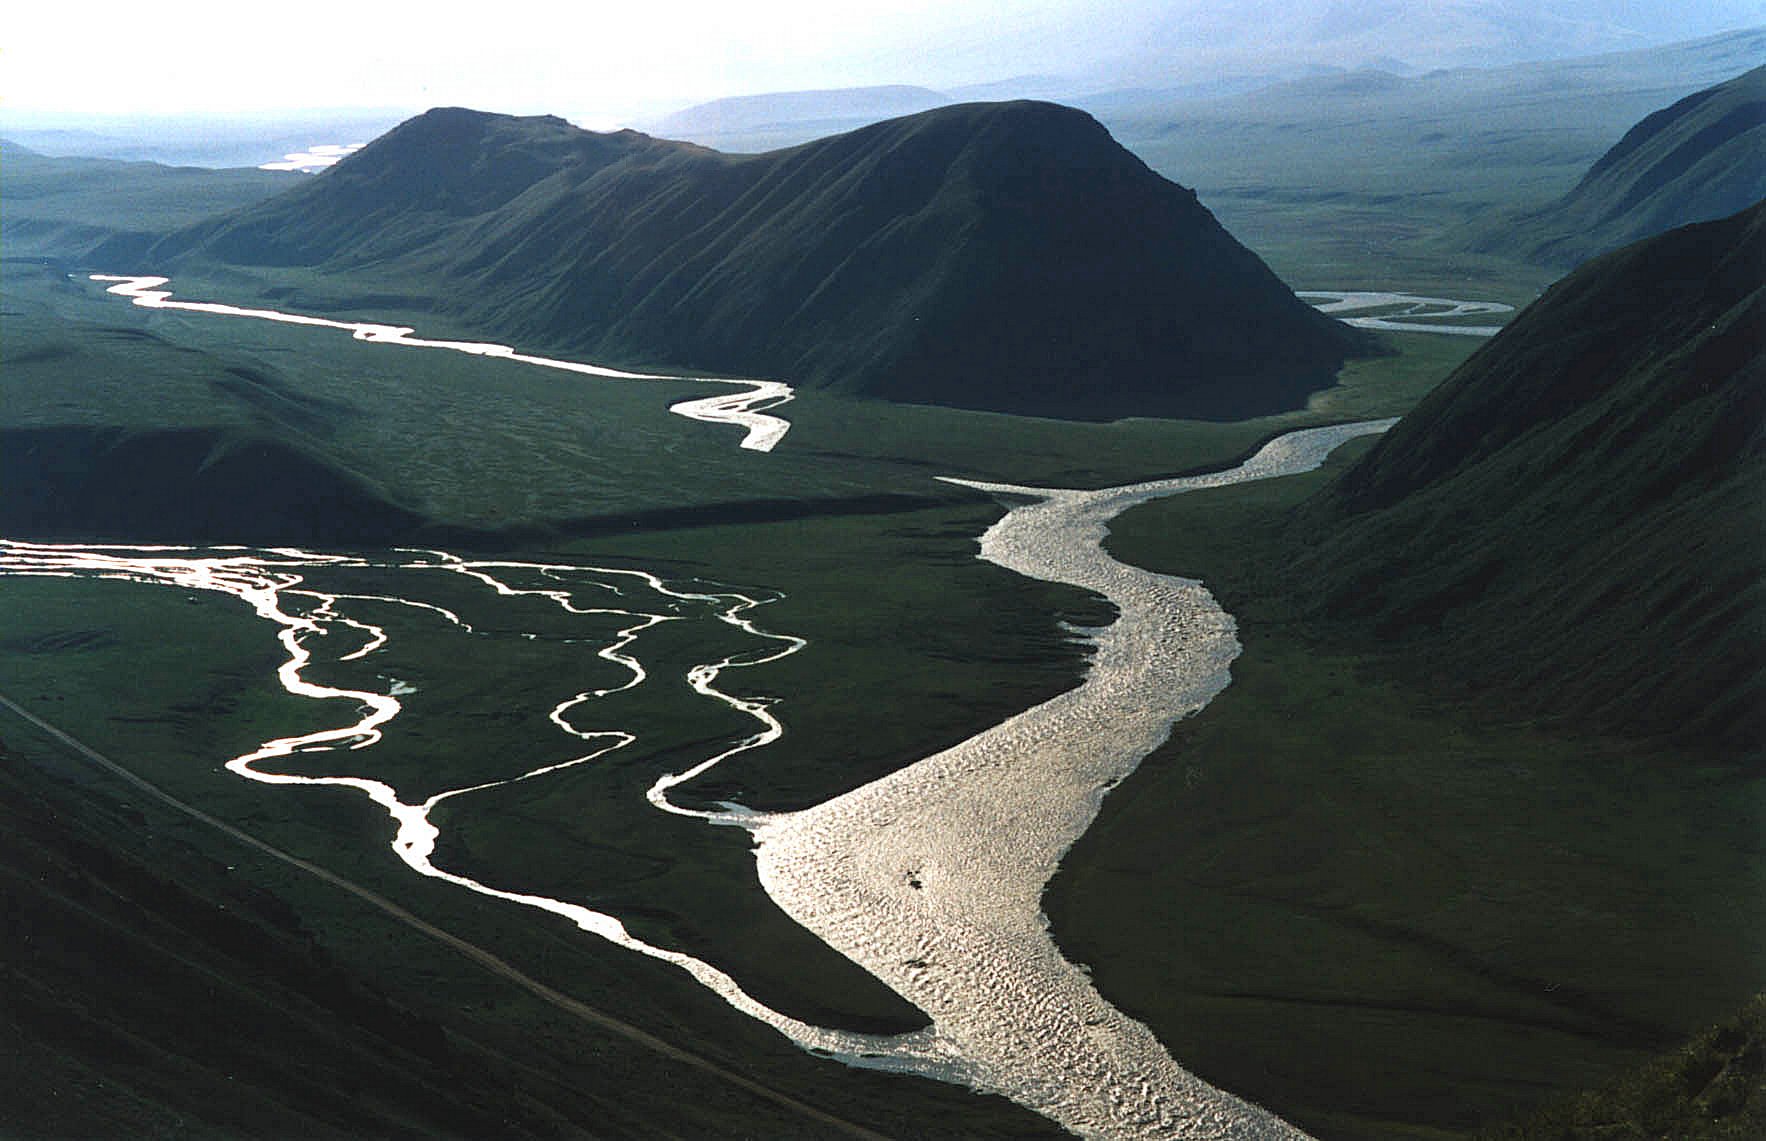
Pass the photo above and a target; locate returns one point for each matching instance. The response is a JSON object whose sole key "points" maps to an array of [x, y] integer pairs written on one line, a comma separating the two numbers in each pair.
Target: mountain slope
{"points": [[238, 991], [1694, 161], [1574, 519], [1000, 256]]}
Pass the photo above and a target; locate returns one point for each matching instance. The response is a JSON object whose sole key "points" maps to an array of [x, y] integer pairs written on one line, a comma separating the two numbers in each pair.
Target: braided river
{"points": [[930, 878]]}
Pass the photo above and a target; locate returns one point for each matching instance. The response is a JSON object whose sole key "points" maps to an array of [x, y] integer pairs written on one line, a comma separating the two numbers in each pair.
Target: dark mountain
{"points": [[1695, 161], [1576, 519], [1002, 256]]}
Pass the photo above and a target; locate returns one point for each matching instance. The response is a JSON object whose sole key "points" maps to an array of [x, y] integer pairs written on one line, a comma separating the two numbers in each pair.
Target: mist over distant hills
{"points": [[1004, 256], [845, 108], [67, 206], [1694, 161], [1177, 44]]}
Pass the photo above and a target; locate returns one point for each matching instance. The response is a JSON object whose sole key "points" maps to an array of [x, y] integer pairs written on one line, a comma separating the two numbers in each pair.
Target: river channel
{"points": [[746, 409], [930, 878]]}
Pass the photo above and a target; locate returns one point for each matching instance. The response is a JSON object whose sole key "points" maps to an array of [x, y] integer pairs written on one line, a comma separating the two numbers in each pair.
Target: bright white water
{"points": [[314, 158], [316, 627], [1413, 315], [931, 878], [746, 409]]}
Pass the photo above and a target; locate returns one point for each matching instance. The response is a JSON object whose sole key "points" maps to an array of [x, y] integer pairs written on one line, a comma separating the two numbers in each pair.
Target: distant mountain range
{"points": [[1700, 159], [1428, 34], [845, 108], [1574, 519], [66, 207], [1005, 256]]}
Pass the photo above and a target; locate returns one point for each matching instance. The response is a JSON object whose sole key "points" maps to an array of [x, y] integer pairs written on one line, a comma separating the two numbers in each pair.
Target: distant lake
{"points": [[314, 158]]}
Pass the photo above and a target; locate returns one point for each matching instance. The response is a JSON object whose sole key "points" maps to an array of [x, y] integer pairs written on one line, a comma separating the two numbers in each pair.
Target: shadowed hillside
{"points": [[1574, 518], [1695, 161], [1713, 1088], [1001, 256], [247, 1029], [1467, 832], [186, 484]]}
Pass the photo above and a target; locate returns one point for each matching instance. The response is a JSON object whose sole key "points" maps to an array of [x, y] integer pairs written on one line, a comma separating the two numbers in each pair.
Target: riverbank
{"points": [[1376, 908], [930, 877], [173, 709], [746, 410]]}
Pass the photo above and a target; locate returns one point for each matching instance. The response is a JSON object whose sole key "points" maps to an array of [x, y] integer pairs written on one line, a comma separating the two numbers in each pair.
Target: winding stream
{"points": [[1404, 312], [930, 878], [746, 409], [316, 628]]}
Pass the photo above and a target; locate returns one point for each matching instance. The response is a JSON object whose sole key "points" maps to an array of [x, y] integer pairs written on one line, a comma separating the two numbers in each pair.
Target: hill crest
{"points": [[1696, 160], [1580, 503], [1008, 256]]}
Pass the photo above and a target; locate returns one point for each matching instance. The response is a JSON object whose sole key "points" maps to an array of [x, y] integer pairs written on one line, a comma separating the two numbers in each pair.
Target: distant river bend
{"points": [[747, 409], [1404, 312]]}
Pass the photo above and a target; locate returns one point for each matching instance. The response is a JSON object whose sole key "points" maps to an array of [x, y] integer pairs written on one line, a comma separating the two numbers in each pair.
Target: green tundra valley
{"points": [[1191, 570]]}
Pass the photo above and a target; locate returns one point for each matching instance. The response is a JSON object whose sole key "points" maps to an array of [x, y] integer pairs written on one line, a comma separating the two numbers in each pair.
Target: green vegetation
{"points": [[904, 260], [1696, 161], [1711, 1089], [1472, 823], [93, 655], [69, 207], [1388, 911], [1380, 903], [495, 452], [912, 638], [247, 1021], [1376, 180], [1571, 520]]}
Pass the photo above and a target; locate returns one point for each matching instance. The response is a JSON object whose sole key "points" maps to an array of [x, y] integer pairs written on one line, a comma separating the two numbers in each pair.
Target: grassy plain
{"points": [[485, 444], [192, 700], [914, 643], [1372, 180]]}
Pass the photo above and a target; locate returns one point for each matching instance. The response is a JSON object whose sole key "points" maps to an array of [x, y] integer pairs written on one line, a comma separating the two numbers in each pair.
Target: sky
{"points": [[600, 63]]}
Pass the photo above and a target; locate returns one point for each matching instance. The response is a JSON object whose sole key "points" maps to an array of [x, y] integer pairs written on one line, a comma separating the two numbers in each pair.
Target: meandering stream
{"points": [[1404, 312], [317, 627], [746, 409]]}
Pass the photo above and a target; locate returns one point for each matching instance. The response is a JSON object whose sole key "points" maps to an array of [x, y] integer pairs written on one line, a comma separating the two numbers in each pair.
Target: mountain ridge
{"points": [[1573, 518], [1010, 257], [1695, 160]]}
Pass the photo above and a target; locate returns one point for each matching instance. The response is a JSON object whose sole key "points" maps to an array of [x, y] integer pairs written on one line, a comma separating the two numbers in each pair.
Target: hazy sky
{"points": [[601, 62]]}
